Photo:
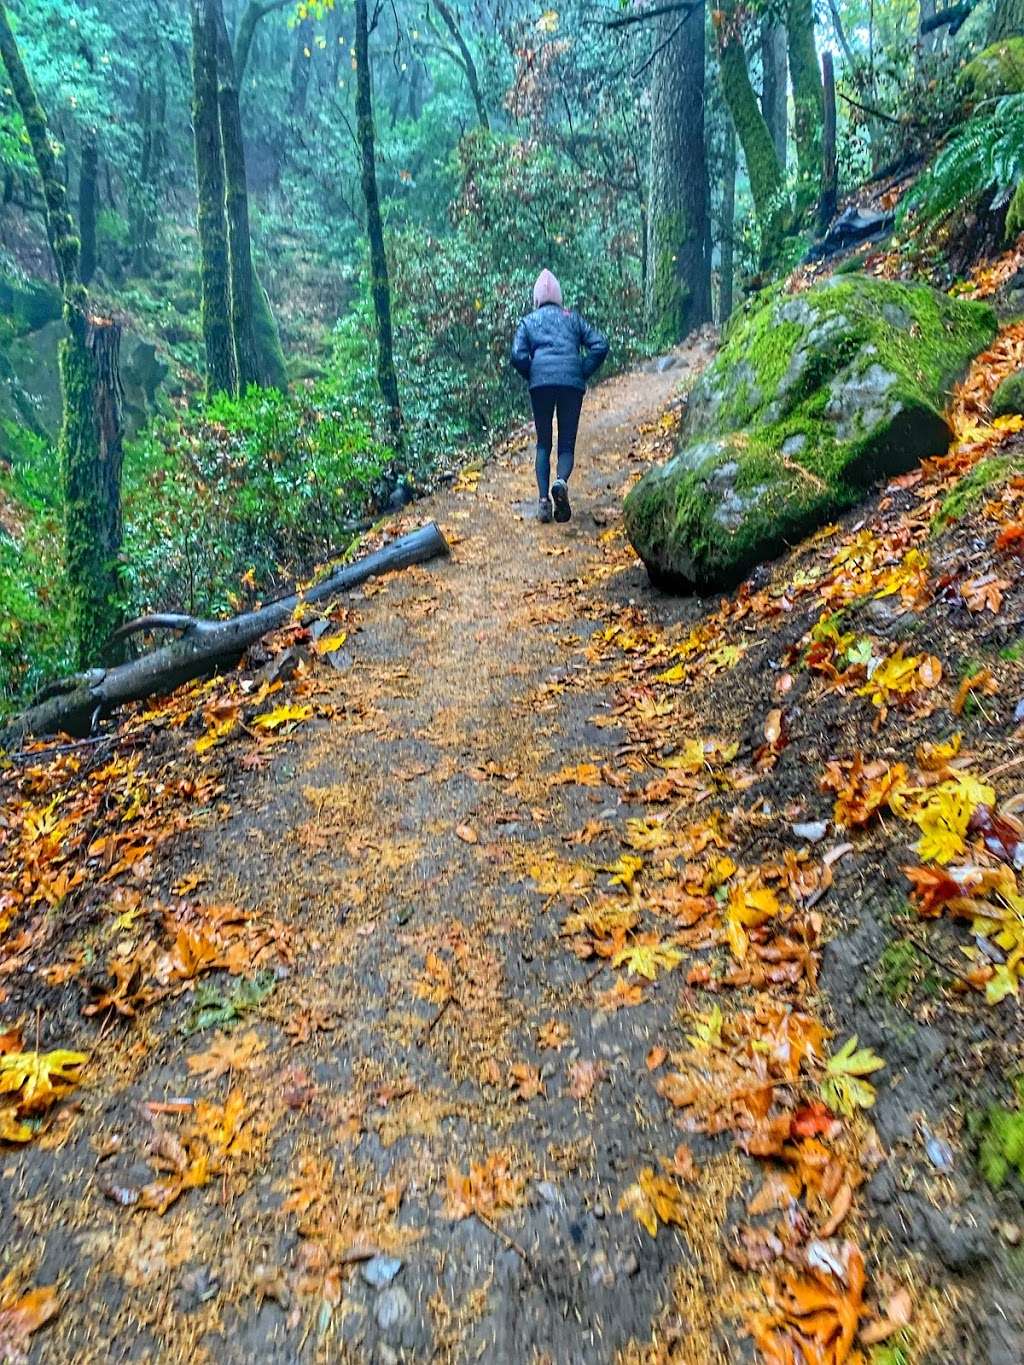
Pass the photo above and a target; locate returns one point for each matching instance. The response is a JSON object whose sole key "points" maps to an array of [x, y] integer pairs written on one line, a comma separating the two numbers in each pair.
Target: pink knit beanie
{"points": [[546, 290]]}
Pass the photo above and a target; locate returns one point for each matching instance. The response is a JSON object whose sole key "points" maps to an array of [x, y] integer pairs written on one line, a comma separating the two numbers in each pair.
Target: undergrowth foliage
{"points": [[986, 158]]}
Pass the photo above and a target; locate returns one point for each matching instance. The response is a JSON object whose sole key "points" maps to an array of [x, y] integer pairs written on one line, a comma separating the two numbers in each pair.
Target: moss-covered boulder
{"points": [[999, 70], [1009, 396], [812, 398]]}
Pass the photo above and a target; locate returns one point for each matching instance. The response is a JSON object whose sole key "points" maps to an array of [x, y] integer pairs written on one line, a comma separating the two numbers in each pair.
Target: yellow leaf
{"points": [[646, 956], [39, 1078], [654, 1199], [327, 644], [283, 715], [844, 1088]]}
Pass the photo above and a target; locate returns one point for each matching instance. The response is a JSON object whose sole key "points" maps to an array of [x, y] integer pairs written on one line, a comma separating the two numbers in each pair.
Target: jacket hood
{"points": [[546, 290]]}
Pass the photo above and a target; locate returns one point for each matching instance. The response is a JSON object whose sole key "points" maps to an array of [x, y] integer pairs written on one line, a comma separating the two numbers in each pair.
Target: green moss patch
{"points": [[999, 70], [975, 485], [1000, 1136], [812, 398], [1008, 398]]}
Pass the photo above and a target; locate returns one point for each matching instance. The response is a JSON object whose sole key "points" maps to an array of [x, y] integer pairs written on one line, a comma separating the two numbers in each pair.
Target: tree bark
{"points": [[270, 356], [678, 296], [87, 176], [774, 87], [236, 206], [767, 183], [74, 705], [830, 168], [468, 64], [808, 99], [1007, 20], [213, 240], [728, 230], [379, 281], [302, 61], [90, 438], [254, 11]]}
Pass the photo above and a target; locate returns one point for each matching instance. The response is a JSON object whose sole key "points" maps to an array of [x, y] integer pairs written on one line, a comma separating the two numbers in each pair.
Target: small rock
{"points": [[940, 1154], [1010, 1232], [626, 1263], [666, 362], [811, 830], [385, 1355], [547, 1191], [379, 1271], [393, 1309]]}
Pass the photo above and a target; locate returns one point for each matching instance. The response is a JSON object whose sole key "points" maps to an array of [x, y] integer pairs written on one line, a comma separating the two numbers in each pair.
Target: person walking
{"points": [[556, 351]]}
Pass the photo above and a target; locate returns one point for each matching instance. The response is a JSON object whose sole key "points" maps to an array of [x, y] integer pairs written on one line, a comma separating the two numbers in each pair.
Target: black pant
{"points": [[567, 402]]}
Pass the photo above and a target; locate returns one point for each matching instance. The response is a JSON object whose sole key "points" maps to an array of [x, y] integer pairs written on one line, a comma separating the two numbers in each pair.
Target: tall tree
{"points": [[236, 206], [380, 283], [90, 436], [767, 182], [727, 268], [774, 83], [679, 270], [212, 225], [808, 98], [1007, 20], [88, 171], [465, 60]]}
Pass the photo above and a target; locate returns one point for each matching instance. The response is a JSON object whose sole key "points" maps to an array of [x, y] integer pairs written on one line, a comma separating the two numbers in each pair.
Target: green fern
{"points": [[985, 158]]}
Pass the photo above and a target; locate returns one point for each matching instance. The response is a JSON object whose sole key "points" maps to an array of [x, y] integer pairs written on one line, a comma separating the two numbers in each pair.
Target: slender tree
{"points": [[213, 237], [90, 436], [774, 82], [87, 174], [808, 99], [679, 270], [236, 206], [465, 60], [379, 280], [728, 233], [767, 182]]}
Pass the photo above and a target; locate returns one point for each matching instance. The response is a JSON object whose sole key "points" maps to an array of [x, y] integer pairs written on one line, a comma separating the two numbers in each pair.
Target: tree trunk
{"points": [[774, 91], [468, 65], [87, 176], [254, 11], [236, 204], [728, 230], [808, 100], [830, 168], [213, 240], [91, 458], [302, 62], [1007, 20], [379, 281], [90, 439], [679, 273], [270, 356], [767, 185], [73, 705]]}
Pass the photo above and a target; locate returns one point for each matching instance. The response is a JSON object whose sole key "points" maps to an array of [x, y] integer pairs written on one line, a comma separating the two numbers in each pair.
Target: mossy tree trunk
{"points": [[775, 83], [254, 11], [236, 204], [87, 176], [90, 438], [728, 237], [808, 99], [678, 294], [213, 237], [302, 60], [269, 353], [767, 182], [379, 280], [1007, 20]]}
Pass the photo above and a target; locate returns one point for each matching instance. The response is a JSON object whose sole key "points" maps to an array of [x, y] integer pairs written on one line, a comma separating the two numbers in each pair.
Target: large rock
{"points": [[998, 70], [812, 398]]}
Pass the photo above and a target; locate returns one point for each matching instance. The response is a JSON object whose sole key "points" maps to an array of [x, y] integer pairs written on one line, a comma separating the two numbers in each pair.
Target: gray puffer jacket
{"points": [[547, 347]]}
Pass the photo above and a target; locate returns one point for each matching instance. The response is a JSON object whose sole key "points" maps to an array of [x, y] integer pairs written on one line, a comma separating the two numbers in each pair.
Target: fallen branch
{"points": [[74, 705]]}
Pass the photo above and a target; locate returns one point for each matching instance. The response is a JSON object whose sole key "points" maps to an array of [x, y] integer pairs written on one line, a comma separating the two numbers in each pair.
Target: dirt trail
{"points": [[393, 841]]}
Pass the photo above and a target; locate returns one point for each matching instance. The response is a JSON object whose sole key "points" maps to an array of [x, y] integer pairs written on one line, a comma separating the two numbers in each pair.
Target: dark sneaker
{"points": [[544, 509], [560, 497]]}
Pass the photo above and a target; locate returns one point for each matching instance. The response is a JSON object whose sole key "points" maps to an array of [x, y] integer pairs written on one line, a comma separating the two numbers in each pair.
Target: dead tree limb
{"points": [[74, 705]]}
